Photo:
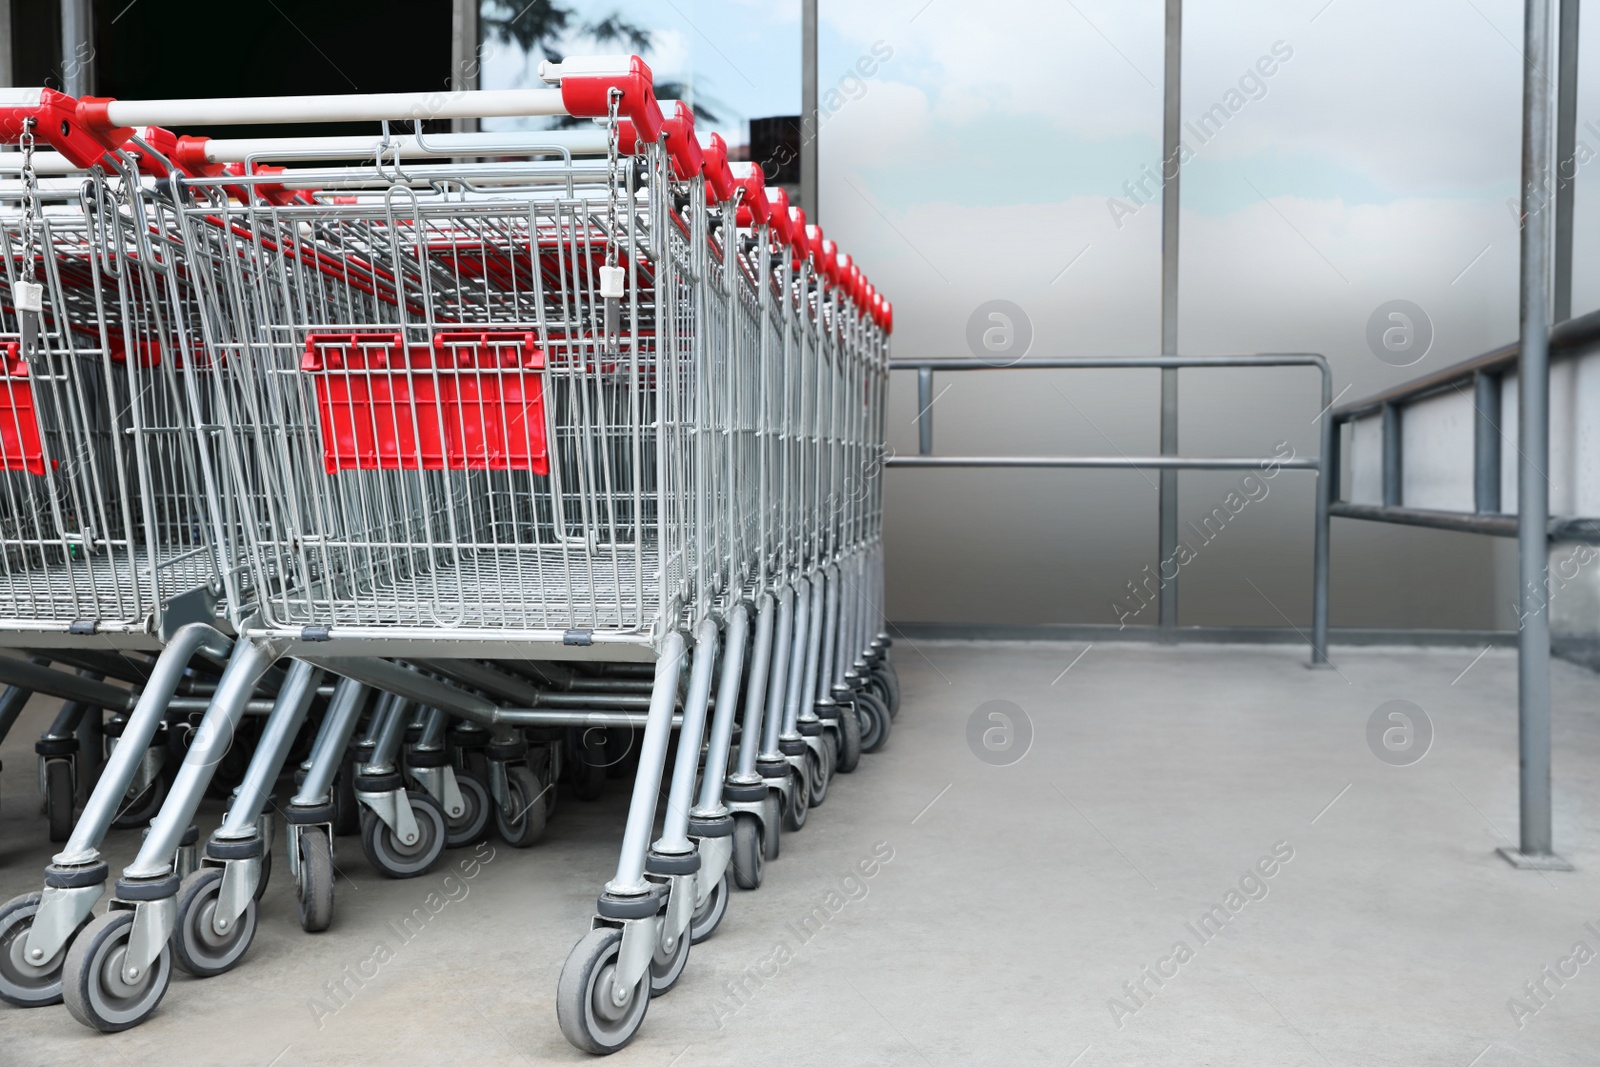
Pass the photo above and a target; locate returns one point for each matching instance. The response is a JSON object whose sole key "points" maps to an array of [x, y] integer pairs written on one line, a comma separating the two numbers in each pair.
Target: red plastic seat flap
{"points": [[472, 400], [20, 445]]}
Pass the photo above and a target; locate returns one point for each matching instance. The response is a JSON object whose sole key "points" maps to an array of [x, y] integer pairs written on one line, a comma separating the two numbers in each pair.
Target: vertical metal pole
{"points": [[465, 59], [1486, 443], [77, 47], [808, 109], [1327, 488], [7, 72], [924, 411], [1170, 130], [1393, 457], [1533, 493], [1566, 156]]}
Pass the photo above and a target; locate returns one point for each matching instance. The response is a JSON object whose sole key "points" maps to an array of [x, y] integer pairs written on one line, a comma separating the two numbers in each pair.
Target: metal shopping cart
{"points": [[106, 551], [473, 418]]}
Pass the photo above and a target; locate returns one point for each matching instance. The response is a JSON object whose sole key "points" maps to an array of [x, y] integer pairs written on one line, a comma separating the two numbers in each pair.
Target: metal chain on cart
{"points": [[613, 174], [611, 275], [27, 292]]}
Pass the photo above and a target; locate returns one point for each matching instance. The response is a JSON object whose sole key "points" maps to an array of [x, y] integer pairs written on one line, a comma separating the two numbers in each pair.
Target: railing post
{"points": [[1327, 489], [1486, 443], [924, 411], [1171, 131], [1393, 470]]}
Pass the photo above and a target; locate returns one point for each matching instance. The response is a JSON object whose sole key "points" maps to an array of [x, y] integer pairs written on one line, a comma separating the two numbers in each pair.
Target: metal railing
{"points": [[1480, 376], [1322, 464]]}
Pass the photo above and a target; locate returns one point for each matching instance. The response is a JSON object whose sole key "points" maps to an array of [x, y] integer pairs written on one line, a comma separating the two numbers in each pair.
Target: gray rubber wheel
{"points": [[708, 916], [667, 967], [266, 874], [525, 791], [771, 835], [472, 825], [314, 887], [197, 946], [799, 805], [542, 762], [749, 860], [138, 811], [819, 768], [849, 739], [395, 859], [22, 982], [58, 798], [874, 721], [885, 684], [346, 808], [91, 981], [589, 1016]]}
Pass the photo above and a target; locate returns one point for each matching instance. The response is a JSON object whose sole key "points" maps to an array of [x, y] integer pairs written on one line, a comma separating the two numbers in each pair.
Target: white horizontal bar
{"points": [[362, 107], [517, 173], [43, 163], [444, 145]]}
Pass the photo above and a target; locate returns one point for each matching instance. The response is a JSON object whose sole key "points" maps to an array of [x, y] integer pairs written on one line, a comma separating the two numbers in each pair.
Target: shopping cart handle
{"points": [[799, 243], [753, 208], [688, 159], [777, 214], [586, 83], [719, 179], [69, 125]]}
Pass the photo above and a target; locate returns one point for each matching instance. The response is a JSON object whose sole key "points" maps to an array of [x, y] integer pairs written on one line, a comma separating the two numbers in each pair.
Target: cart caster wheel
{"points": [[266, 874], [666, 967], [58, 798], [589, 1014], [92, 985], [314, 888], [197, 947], [619, 739], [554, 792], [527, 800], [588, 780], [886, 687], [771, 835], [708, 916], [23, 982], [874, 721], [394, 858], [749, 860], [346, 808], [819, 768], [849, 739], [795, 812], [472, 825], [141, 809]]}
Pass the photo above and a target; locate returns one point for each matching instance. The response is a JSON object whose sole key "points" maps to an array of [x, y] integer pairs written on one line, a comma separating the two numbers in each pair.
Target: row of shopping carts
{"points": [[427, 463]]}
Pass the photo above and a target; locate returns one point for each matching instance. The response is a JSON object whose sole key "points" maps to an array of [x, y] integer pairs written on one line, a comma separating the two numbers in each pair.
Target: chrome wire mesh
{"points": [[105, 520], [614, 535]]}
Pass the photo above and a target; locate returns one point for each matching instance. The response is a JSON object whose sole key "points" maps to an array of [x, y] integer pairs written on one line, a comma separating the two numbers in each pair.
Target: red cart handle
{"points": [[688, 159], [778, 214], [799, 245], [75, 128], [586, 83], [754, 209], [719, 178]]}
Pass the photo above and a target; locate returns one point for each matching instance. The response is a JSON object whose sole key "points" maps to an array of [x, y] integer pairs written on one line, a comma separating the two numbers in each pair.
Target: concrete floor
{"points": [[1018, 900]]}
